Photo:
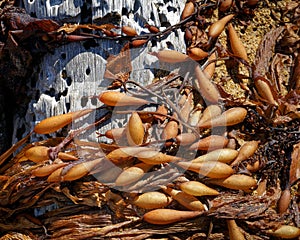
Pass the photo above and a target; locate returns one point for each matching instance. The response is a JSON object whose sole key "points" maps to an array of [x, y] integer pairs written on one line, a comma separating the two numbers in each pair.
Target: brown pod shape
{"points": [[155, 157], [152, 200], [152, 29], [67, 156], [230, 117], [206, 88], [188, 10], [109, 33], [138, 42], [217, 27], [109, 175], [246, 151], [124, 153], [167, 216], [236, 44], [115, 133], [135, 131], [197, 189], [170, 56], [132, 174], [187, 107], [284, 201], [186, 138], [224, 5], [37, 153], [254, 167], [209, 113], [264, 90], [47, 170], [129, 31], [194, 117], [252, 2], [285, 232], [188, 201], [188, 36], [212, 169], [197, 54], [170, 130], [224, 155], [236, 182], [55, 176], [120, 99], [55, 123], [81, 169], [209, 143], [209, 70], [234, 230]]}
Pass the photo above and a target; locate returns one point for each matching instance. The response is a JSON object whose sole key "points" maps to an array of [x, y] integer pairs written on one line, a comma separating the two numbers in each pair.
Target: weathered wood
{"points": [[73, 73]]}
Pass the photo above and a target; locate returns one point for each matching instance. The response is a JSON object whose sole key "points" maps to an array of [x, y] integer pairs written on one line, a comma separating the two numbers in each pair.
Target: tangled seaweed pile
{"points": [[202, 156]]}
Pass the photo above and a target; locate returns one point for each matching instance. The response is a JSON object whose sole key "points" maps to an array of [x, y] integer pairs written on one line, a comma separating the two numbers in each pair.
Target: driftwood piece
{"points": [[68, 78]]}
